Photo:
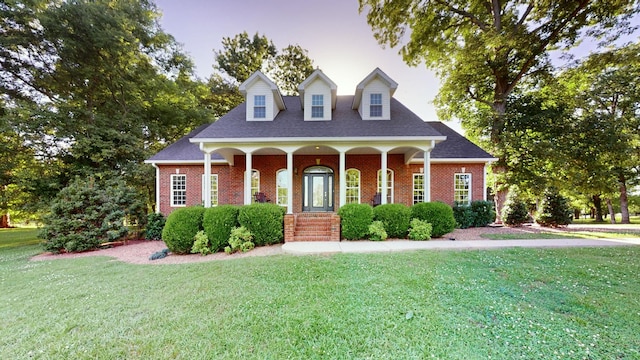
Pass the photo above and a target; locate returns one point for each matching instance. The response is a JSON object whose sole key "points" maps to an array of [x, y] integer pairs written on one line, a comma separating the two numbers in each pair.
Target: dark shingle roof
{"points": [[345, 123], [183, 150], [456, 146]]}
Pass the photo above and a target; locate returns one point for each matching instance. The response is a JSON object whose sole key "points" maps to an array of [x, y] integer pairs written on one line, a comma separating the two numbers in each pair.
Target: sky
{"points": [[337, 36]]}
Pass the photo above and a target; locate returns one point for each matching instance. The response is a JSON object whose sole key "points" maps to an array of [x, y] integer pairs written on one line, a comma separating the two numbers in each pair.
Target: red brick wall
{"points": [[231, 178]]}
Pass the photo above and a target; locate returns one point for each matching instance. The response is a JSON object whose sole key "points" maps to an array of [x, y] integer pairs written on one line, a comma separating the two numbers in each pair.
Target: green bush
{"points": [[420, 230], [514, 212], [395, 218], [483, 212], [438, 214], [239, 240], [86, 214], [376, 231], [155, 224], [201, 244], [218, 222], [181, 227], [556, 210], [464, 215], [265, 221], [355, 220]]}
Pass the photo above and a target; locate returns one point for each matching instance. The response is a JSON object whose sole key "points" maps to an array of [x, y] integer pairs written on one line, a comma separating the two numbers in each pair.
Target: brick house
{"points": [[314, 152]]}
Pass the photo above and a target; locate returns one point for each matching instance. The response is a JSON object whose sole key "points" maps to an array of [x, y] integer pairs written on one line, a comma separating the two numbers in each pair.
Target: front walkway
{"points": [[329, 247]]}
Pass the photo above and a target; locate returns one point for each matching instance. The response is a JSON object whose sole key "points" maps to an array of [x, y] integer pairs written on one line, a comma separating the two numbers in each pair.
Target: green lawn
{"points": [[499, 304], [18, 237], [561, 235]]}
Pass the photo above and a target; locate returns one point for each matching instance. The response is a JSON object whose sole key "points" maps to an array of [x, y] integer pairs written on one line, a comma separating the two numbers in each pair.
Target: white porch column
{"points": [[157, 187], [207, 180], [343, 179], [383, 175], [247, 179], [289, 183], [427, 176], [484, 182]]}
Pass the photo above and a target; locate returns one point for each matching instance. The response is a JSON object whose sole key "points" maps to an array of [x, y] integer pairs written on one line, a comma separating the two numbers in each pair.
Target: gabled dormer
{"points": [[318, 96], [373, 96], [262, 98]]}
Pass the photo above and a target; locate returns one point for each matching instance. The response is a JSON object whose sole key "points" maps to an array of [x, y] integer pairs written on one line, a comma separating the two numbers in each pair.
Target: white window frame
{"points": [[390, 184], [375, 106], [352, 200], [458, 191], [259, 103], [282, 200], [255, 183], [214, 189], [317, 106], [174, 191], [418, 192]]}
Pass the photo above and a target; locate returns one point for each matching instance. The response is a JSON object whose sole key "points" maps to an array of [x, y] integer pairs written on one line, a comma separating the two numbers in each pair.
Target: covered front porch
{"points": [[321, 178]]}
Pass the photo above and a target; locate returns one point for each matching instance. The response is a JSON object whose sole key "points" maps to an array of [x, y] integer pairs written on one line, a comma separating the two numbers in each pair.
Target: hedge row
{"points": [[264, 221], [396, 219], [478, 214]]}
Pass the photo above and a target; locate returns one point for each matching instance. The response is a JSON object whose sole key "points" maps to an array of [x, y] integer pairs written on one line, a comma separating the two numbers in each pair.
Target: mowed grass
{"points": [[499, 304], [563, 235], [18, 237]]}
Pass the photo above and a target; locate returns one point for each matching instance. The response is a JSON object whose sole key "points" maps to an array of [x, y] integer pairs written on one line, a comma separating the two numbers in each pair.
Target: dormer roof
{"points": [[319, 75], [375, 74], [259, 76]]}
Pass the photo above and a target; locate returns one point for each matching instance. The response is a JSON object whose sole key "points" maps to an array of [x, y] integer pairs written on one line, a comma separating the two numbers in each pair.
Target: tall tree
{"points": [[241, 56], [483, 49]]}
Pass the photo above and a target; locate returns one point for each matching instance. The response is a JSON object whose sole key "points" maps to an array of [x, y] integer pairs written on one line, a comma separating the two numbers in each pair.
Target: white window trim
{"points": [[171, 189], [286, 188], [415, 175], [390, 194], [359, 185], [470, 187], [371, 104], [255, 106], [214, 192], [256, 190], [316, 106]]}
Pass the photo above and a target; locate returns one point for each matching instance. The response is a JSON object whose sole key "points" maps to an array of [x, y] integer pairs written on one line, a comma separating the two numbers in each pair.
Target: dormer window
{"points": [[375, 105], [317, 106], [259, 107]]}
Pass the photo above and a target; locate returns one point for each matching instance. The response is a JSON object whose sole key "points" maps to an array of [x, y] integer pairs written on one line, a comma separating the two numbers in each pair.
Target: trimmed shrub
{"points": [[218, 222], [438, 214], [355, 220], [420, 230], [395, 218], [155, 224], [555, 210], [265, 221], [88, 213], [376, 231], [464, 215], [201, 244], [514, 212], [181, 227], [484, 213], [239, 240]]}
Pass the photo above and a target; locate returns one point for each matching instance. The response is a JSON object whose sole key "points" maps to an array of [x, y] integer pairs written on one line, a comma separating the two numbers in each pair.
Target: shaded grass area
{"points": [[562, 235], [505, 304], [18, 237], [634, 219]]}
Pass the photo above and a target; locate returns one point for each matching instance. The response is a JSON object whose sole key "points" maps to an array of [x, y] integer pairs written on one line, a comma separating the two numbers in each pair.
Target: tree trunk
{"points": [[597, 204], [624, 202], [5, 221], [611, 212]]}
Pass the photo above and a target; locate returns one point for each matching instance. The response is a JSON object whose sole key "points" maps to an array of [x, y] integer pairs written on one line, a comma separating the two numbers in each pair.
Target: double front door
{"points": [[317, 189]]}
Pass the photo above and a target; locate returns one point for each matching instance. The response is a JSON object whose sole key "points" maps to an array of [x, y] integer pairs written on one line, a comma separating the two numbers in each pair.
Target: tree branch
{"points": [[464, 14], [526, 14]]}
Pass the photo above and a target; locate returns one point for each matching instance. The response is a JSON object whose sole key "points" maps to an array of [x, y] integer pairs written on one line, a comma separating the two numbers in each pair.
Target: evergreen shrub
{"points": [[514, 212], [265, 221], [155, 224], [484, 214], [438, 214], [395, 218], [218, 222], [201, 244], [355, 220], [556, 210], [181, 227], [88, 213], [240, 239], [464, 215]]}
